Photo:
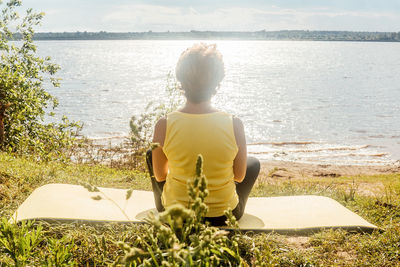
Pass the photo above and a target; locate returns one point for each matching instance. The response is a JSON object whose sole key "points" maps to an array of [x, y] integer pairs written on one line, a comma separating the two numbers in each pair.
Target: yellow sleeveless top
{"points": [[212, 136]]}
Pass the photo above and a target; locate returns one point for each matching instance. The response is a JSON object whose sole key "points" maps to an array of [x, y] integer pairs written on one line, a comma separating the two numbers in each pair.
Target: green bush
{"points": [[23, 98], [142, 126]]}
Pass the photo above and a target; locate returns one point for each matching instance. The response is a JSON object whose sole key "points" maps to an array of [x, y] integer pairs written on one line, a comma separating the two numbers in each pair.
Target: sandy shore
{"points": [[295, 170]]}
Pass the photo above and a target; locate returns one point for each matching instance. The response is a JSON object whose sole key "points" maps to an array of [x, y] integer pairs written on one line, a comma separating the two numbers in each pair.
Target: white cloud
{"points": [[162, 18]]}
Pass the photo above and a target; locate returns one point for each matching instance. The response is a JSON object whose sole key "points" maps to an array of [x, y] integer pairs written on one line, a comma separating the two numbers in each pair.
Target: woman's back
{"points": [[198, 128], [209, 134]]}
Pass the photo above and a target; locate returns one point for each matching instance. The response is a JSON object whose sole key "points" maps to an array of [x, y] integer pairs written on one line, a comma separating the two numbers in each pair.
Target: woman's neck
{"points": [[198, 108]]}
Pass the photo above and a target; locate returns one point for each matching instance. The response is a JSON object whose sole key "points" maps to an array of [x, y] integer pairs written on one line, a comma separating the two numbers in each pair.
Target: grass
{"points": [[376, 198]]}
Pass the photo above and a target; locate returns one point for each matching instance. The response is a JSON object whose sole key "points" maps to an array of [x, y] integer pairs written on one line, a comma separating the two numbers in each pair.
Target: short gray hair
{"points": [[200, 70]]}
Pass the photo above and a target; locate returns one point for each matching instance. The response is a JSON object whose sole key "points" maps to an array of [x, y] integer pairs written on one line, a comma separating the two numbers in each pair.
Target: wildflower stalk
{"points": [[179, 237]]}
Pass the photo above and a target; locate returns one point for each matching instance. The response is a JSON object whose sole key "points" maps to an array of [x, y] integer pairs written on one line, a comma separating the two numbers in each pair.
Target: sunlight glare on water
{"points": [[303, 101]]}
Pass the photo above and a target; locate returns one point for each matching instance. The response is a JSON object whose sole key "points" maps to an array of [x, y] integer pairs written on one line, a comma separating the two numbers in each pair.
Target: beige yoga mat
{"points": [[288, 214]]}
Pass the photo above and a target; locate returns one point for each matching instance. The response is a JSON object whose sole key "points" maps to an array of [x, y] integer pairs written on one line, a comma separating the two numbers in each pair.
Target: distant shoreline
{"points": [[284, 35]]}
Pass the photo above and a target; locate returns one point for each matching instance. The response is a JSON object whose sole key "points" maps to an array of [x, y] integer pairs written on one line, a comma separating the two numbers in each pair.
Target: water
{"points": [[324, 102]]}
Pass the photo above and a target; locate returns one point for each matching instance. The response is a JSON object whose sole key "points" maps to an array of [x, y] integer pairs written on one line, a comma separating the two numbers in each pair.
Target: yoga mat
{"points": [[287, 214]]}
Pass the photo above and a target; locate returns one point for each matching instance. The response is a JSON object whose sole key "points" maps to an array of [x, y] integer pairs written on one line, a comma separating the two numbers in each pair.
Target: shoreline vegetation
{"points": [[283, 35]]}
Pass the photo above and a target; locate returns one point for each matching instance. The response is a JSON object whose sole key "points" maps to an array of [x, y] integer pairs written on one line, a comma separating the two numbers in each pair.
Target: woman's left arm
{"points": [[240, 161], [160, 161]]}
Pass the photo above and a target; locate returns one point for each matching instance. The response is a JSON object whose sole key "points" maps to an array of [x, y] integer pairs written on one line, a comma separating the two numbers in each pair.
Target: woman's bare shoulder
{"points": [[160, 130], [161, 121]]}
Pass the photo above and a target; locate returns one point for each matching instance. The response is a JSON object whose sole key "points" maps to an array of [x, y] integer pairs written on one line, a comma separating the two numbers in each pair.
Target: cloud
{"points": [[163, 18], [224, 15]]}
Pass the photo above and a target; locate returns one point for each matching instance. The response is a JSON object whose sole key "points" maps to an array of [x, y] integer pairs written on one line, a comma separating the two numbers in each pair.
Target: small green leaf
{"points": [[98, 197], [129, 194]]}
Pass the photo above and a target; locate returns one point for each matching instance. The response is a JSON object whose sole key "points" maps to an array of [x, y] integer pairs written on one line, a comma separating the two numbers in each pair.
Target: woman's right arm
{"points": [[240, 161], [160, 161]]}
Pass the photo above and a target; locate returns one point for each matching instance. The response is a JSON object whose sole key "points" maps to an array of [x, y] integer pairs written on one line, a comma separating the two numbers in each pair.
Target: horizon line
{"points": [[216, 31]]}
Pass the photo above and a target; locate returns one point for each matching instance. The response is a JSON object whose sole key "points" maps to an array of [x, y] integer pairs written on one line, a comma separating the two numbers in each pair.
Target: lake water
{"points": [[324, 102]]}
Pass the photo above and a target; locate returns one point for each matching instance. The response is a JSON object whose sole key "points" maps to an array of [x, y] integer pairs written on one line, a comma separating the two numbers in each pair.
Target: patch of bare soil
{"points": [[346, 256], [298, 242], [370, 189], [278, 171], [294, 170]]}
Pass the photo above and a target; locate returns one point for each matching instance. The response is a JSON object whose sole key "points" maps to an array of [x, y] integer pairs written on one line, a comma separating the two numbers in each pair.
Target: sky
{"points": [[217, 15]]}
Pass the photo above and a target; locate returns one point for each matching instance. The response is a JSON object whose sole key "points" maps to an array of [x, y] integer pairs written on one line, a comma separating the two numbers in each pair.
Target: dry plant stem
{"points": [[116, 204]]}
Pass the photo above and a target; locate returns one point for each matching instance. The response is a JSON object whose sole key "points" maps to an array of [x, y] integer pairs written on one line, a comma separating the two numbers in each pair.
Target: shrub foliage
{"points": [[141, 127], [23, 98]]}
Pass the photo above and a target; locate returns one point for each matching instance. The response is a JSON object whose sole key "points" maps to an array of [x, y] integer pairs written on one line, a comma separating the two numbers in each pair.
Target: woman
{"points": [[199, 128]]}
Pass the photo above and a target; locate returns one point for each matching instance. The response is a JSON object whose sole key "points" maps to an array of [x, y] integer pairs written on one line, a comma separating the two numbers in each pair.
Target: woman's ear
{"points": [[179, 86]]}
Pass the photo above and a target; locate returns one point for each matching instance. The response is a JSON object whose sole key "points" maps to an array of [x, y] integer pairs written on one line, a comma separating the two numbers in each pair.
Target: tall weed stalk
{"points": [[179, 236]]}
